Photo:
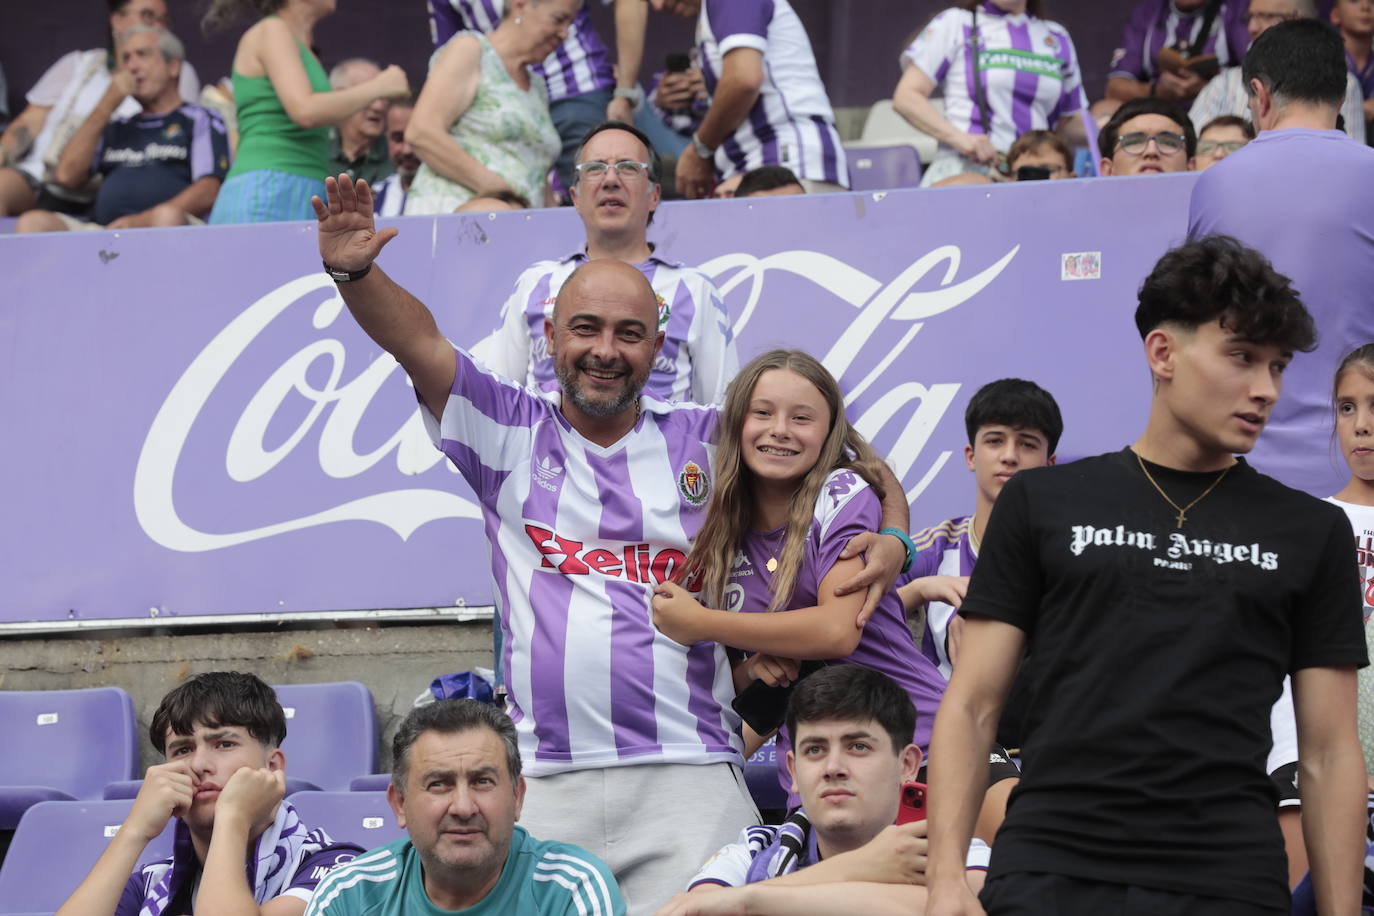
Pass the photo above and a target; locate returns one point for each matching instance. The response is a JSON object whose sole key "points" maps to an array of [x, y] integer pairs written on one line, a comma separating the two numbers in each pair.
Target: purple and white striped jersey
{"points": [[698, 358], [1156, 24], [1365, 77], [943, 550], [846, 506], [579, 536], [580, 65], [1026, 66], [791, 123], [389, 197]]}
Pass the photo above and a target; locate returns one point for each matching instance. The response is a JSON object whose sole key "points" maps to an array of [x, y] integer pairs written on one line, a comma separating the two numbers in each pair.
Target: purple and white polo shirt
{"points": [[580, 65], [791, 123], [698, 358], [579, 536], [1027, 67], [846, 506], [1156, 24]]}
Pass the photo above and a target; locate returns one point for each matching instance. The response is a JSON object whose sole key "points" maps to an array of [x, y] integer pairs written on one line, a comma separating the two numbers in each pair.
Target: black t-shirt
{"points": [[1156, 655]]}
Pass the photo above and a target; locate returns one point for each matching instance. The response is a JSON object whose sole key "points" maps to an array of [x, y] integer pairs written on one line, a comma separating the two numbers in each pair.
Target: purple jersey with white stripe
{"points": [[579, 536], [1027, 68], [943, 550], [580, 65], [791, 123], [1156, 24], [698, 358], [846, 506]]}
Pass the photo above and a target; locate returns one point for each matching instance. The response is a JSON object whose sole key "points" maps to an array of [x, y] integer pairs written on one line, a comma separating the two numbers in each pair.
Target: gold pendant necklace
{"points": [[1182, 512]]}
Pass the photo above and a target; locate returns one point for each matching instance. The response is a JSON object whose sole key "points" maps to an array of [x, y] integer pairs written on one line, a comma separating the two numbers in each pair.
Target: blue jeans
{"points": [[576, 115]]}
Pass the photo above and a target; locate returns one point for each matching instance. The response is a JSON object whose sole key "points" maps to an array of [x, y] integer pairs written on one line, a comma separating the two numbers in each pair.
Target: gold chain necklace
{"points": [[1183, 511]]}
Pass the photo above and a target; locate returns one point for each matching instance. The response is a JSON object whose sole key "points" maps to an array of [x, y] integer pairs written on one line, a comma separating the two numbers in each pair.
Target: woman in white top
{"points": [[57, 105], [481, 123], [1002, 70]]}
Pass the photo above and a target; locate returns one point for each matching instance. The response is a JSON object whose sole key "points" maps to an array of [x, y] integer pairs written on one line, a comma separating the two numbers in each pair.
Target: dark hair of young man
{"points": [[1033, 140], [448, 717], [1229, 121], [216, 699], [1016, 403], [766, 178], [1301, 60], [655, 161], [1216, 278], [853, 693], [1106, 140]]}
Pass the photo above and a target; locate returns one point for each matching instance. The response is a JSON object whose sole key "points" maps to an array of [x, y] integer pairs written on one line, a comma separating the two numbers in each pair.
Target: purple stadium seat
{"points": [[331, 734], [761, 776], [364, 818], [63, 745], [881, 168], [373, 782], [54, 847]]}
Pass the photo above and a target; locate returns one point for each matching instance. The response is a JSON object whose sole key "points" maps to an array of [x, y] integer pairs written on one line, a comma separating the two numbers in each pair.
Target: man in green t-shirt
{"points": [[457, 790]]}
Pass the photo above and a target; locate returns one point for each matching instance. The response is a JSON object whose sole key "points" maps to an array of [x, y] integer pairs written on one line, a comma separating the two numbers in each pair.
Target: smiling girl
{"points": [[794, 482]]}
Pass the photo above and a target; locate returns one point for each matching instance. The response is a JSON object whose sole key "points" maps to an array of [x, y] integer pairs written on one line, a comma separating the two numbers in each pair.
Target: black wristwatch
{"points": [[344, 276]]}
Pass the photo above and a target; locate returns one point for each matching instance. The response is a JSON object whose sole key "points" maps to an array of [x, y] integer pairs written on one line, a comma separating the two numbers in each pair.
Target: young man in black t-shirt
{"points": [[1166, 589]]}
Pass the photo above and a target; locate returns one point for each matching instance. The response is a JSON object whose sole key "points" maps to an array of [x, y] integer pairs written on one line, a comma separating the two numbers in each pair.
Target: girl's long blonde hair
{"points": [[731, 512]]}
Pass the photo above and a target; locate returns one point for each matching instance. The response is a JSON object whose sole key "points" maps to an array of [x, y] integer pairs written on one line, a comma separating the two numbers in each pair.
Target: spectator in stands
{"points": [[482, 123], [498, 201], [1147, 137], [1355, 19], [57, 105], [726, 189], [769, 181], [221, 733], [1226, 94], [1038, 154], [456, 788], [1161, 583], [670, 735], [794, 482], [616, 195], [853, 754], [1219, 138], [358, 145], [1180, 31], [390, 195], [584, 88], [1353, 397], [784, 119], [162, 167], [1297, 81], [285, 108], [1026, 78]]}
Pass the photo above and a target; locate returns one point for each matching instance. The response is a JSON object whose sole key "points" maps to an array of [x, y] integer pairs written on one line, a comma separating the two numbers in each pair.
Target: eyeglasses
{"points": [[1207, 147], [1134, 144], [595, 171], [1270, 18]]}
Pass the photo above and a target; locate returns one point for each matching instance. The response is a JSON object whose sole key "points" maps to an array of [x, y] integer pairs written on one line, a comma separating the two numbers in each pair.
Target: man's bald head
{"points": [[608, 280]]}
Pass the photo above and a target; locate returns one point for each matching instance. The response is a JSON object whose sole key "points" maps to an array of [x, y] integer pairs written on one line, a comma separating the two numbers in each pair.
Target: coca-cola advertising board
{"points": [[194, 425]]}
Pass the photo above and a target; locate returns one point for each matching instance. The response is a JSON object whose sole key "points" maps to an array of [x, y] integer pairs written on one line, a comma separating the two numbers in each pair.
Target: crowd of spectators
{"points": [[1144, 684], [515, 85]]}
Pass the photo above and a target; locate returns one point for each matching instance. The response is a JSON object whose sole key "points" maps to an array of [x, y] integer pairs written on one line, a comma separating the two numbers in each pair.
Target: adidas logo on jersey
{"points": [[547, 474]]}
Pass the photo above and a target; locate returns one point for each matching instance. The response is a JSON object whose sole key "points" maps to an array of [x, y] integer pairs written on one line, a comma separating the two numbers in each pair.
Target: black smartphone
{"points": [[677, 63]]}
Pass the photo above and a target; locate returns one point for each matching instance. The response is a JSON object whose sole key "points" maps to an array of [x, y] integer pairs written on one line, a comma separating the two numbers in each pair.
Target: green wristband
{"points": [[906, 541]]}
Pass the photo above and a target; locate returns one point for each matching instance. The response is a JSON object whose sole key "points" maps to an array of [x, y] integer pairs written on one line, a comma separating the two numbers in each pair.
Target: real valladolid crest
{"points": [[878, 406]]}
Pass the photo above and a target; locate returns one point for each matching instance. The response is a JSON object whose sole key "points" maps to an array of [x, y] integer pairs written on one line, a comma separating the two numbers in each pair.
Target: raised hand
{"points": [[348, 235], [167, 792]]}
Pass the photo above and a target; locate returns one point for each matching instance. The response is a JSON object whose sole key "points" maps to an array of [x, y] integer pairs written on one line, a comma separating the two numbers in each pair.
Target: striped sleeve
{"points": [[343, 892], [730, 866], [209, 143], [740, 23], [715, 360], [506, 350], [936, 46], [1128, 61], [574, 882]]}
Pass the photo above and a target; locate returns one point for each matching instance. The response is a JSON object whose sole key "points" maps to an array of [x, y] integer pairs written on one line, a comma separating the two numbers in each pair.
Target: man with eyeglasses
{"points": [[1226, 93], [616, 194], [1221, 137], [1148, 136]]}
